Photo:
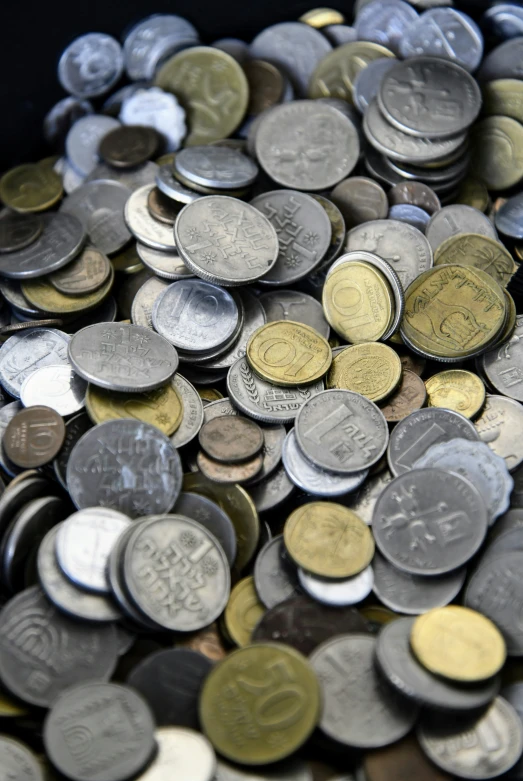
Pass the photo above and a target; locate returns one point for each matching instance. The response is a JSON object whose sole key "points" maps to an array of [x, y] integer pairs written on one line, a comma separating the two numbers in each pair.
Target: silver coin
{"points": [[155, 108], [362, 501], [113, 103], [338, 593], [288, 139], [127, 465], [509, 218], [66, 596], [446, 33], [132, 178], [413, 435], [378, 167], [122, 357], [226, 241], [144, 300], [459, 748], [479, 465], [500, 425], [359, 710], [414, 594], [442, 177], [338, 228], [144, 36], [90, 65], [84, 542], [144, 227], [170, 186], [275, 576], [455, 219], [405, 248], [341, 431], [233, 46], [71, 179], [55, 386], [293, 305], [504, 20], [417, 194], [289, 770], [192, 420], [104, 313], [175, 549], [429, 522], [100, 206], [7, 413], [195, 315], [513, 519], [217, 409], [503, 542], [272, 491], [273, 439], [303, 231], [24, 353], [503, 62], [60, 241], [412, 92], [182, 753], [412, 215], [316, 481], [166, 265], [367, 82], [401, 668], [212, 517], [59, 120], [295, 48], [219, 167], [84, 138], [338, 34], [12, 292], [385, 22]]}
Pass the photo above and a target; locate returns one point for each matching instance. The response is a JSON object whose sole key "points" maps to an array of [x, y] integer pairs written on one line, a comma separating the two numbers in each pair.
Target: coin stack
{"points": [[261, 422]]}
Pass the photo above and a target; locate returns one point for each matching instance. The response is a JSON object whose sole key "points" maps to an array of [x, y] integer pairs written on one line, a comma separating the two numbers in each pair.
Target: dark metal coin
{"points": [[129, 145], [19, 230], [275, 576], [210, 515], [231, 439], [402, 760], [86, 273], [17, 762], [170, 682], [162, 207], [74, 429], [34, 437], [17, 495]]}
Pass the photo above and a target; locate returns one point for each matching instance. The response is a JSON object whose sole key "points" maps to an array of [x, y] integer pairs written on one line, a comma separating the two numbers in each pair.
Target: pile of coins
{"points": [[261, 422]]}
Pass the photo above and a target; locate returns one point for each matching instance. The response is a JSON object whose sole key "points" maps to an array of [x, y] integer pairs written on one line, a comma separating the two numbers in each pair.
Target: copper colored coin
{"points": [[87, 272], [19, 230], [14, 328], [410, 396], [401, 761], [231, 439], [129, 145], [228, 473], [163, 208], [409, 361], [415, 194], [207, 641], [34, 437]]}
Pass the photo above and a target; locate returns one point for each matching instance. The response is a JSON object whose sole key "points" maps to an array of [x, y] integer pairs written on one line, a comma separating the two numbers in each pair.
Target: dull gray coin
{"points": [[166, 265], [500, 425], [275, 576], [446, 33], [144, 227], [294, 305], [132, 178], [143, 302], [219, 167], [367, 82], [144, 36], [360, 200], [212, 517], [338, 593], [57, 387], [513, 694], [61, 239], [192, 405], [273, 439], [363, 500], [455, 219], [503, 62], [24, 353], [7, 413], [90, 65], [100, 208], [83, 140], [170, 186], [272, 490]]}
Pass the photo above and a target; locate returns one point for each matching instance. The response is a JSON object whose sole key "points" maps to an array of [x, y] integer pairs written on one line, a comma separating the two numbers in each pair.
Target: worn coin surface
{"points": [[18, 761], [470, 249], [500, 425], [243, 612], [456, 389], [192, 411], [222, 472], [503, 366], [57, 387], [495, 142], [288, 353], [33, 437], [410, 395], [144, 227], [415, 193], [360, 199], [373, 370], [294, 305], [128, 146], [219, 167], [85, 274], [275, 575], [19, 230], [90, 65], [24, 353], [161, 408], [231, 439], [209, 514], [446, 33], [335, 75]]}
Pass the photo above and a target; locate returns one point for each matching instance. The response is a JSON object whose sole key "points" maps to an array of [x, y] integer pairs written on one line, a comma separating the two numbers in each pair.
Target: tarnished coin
{"points": [[495, 142], [373, 370], [288, 353], [144, 227], [243, 612], [43, 295], [410, 396], [31, 188], [100, 206], [22, 354], [337, 227], [469, 249], [192, 412], [360, 199], [417, 194], [503, 366], [348, 591], [162, 207], [401, 758], [456, 389], [129, 146], [335, 75], [85, 274], [91, 65], [216, 166], [33, 437], [161, 408], [231, 439], [456, 219], [229, 473], [57, 387], [74, 428], [18, 231], [500, 425], [210, 515]]}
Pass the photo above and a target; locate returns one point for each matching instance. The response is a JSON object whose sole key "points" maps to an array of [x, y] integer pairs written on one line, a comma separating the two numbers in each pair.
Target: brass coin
{"points": [[277, 692], [328, 540], [162, 207], [161, 408], [31, 188], [266, 86], [401, 761], [410, 395], [287, 353], [503, 97], [231, 439], [228, 473], [321, 17], [373, 370], [207, 641], [358, 302], [128, 261], [208, 394], [43, 295], [510, 322], [472, 192], [19, 230], [452, 312], [496, 148], [410, 361], [243, 612], [85, 274], [212, 88], [472, 249], [129, 145], [33, 437], [458, 643], [335, 75], [458, 390]]}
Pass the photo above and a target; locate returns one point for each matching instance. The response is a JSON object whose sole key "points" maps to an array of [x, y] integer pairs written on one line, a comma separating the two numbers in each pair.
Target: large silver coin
{"points": [[132, 178], [500, 425], [24, 353], [55, 386], [144, 301], [122, 357], [303, 230], [367, 82], [341, 431], [503, 62], [166, 265], [99, 206], [144, 227], [60, 241], [338, 593], [91, 65], [385, 23], [509, 218], [295, 149], [429, 522], [359, 710], [84, 138], [503, 367], [254, 318], [192, 420], [170, 186], [127, 465], [296, 306], [445, 33], [226, 241], [455, 219], [219, 167], [182, 753]]}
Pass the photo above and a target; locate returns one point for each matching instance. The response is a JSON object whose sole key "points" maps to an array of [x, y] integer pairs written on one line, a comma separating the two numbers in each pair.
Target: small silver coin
{"points": [[513, 694], [455, 219], [132, 178], [446, 33], [226, 241], [413, 594], [412, 437], [182, 753], [83, 140], [90, 65], [55, 386], [218, 167], [500, 425], [341, 431], [170, 186], [503, 62], [412, 215], [144, 301], [144, 227], [272, 491], [99, 206], [84, 542], [316, 481], [122, 357], [275, 576], [24, 353], [367, 82], [192, 420], [338, 593], [363, 500], [212, 517], [60, 241], [293, 305], [166, 265], [509, 218], [418, 514], [385, 23]]}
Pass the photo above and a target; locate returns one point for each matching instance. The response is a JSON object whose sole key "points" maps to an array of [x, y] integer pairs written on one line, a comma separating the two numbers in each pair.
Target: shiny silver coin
{"points": [[83, 140], [90, 65], [419, 512], [122, 357], [61, 117], [143, 302], [445, 33], [170, 186], [61, 239], [192, 420], [132, 178], [144, 227], [160, 110], [503, 366], [166, 265], [55, 386], [293, 305], [275, 576], [218, 167], [145, 36], [338, 593], [367, 82], [288, 770], [272, 491], [182, 753], [503, 62], [500, 425], [24, 353], [212, 517], [455, 219], [509, 218], [100, 207], [385, 23], [412, 215]]}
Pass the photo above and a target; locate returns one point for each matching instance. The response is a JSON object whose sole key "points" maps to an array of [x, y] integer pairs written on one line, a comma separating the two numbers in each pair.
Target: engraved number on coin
{"points": [[281, 701], [270, 352]]}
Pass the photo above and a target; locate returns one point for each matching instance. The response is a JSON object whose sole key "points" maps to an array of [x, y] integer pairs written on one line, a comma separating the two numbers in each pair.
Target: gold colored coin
{"points": [[44, 296], [212, 88], [510, 322], [328, 540], [287, 353], [161, 408], [458, 390], [504, 97], [335, 75], [321, 17], [458, 643], [11, 709], [378, 616], [358, 302], [243, 612], [277, 694], [266, 86], [453, 312], [472, 249], [128, 261], [497, 151], [372, 369], [209, 394], [31, 188], [472, 192]]}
